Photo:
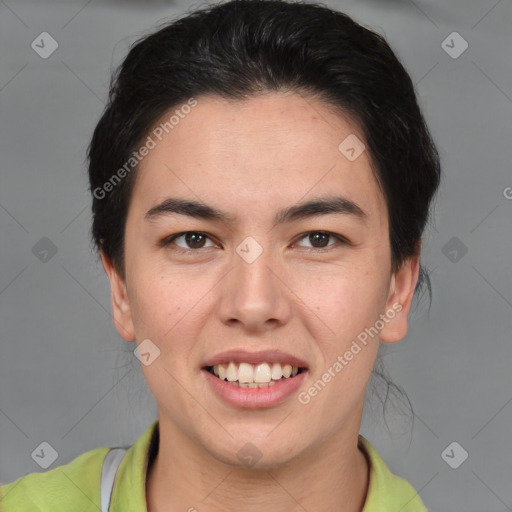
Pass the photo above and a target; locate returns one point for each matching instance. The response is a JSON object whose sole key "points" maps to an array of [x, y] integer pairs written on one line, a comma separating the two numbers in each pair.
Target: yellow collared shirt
{"points": [[76, 485]]}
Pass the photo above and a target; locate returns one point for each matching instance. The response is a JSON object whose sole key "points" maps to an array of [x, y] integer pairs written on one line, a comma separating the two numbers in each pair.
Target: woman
{"points": [[261, 179]]}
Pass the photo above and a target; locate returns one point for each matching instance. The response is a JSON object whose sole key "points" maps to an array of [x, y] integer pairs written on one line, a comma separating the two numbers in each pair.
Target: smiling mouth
{"points": [[247, 375]]}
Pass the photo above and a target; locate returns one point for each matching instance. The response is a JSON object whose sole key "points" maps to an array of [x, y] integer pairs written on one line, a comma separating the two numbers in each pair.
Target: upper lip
{"points": [[264, 356]]}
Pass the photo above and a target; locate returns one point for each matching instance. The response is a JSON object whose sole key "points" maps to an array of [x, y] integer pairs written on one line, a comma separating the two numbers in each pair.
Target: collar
{"points": [[385, 490]]}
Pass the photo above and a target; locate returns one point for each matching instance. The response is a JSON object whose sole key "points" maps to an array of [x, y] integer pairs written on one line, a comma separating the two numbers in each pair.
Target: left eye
{"points": [[320, 237]]}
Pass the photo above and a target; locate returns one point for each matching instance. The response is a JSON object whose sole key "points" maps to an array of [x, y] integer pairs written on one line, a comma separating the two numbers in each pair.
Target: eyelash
{"points": [[169, 240]]}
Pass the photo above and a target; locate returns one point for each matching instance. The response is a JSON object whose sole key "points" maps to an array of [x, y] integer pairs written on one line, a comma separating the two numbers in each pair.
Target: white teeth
{"points": [[277, 371], [253, 376], [232, 372], [245, 373], [262, 373]]}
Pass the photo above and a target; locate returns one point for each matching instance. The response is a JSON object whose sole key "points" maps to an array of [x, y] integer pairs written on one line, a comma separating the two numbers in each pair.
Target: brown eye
{"points": [[195, 240], [319, 239], [192, 239]]}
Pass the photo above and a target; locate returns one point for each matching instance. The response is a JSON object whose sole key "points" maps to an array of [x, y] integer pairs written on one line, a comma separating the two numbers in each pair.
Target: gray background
{"points": [[66, 377]]}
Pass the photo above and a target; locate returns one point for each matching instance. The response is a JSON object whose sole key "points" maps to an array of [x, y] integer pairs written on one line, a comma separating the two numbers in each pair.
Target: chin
{"points": [[254, 453]]}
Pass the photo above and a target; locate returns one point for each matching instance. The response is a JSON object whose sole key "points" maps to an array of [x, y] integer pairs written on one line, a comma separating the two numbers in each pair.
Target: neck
{"points": [[330, 477]]}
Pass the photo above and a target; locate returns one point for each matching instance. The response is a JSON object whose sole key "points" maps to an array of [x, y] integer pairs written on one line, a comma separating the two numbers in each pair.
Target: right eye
{"points": [[194, 239]]}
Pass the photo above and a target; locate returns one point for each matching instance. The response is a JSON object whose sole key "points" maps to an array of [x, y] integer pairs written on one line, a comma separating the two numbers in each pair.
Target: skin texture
{"points": [[251, 158]]}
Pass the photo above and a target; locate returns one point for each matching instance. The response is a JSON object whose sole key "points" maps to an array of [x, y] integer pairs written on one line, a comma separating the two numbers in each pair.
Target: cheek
{"points": [[341, 302], [164, 314], [155, 300], [346, 304], [169, 306]]}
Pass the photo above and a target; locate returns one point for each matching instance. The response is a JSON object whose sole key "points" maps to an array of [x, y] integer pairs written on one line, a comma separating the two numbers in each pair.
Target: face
{"points": [[259, 271]]}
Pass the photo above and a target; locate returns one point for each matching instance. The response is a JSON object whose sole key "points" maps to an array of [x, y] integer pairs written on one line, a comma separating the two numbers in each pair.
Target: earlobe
{"points": [[121, 312], [402, 286]]}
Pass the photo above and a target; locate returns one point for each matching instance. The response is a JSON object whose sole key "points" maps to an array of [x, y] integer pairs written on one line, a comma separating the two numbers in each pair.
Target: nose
{"points": [[254, 293]]}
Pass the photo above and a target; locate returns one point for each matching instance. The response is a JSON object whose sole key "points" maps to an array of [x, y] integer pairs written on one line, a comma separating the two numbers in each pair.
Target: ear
{"points": [[122, 316], [401, 292]]}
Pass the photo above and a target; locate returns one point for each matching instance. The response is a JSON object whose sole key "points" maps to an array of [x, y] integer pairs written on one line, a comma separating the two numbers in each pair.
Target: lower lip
{"points": [[255, 398]]}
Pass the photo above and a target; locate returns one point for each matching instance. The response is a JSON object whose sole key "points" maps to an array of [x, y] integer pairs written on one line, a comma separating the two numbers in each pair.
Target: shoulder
{"points": [[73, 486], [387, 492]]}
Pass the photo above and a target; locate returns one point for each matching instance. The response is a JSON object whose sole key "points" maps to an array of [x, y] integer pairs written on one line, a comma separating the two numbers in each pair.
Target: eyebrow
{"points": [[312, 208]]}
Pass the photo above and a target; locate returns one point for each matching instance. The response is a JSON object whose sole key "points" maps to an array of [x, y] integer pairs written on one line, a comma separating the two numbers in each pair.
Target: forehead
{"points": [[272, 149]]}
